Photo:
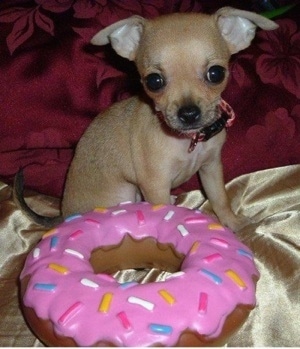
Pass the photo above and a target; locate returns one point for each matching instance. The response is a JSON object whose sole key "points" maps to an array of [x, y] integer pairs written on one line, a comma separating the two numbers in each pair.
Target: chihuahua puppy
{"points": [[142, 147]]}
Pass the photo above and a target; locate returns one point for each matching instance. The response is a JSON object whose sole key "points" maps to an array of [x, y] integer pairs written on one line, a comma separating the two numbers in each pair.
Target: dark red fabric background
{"points": [[53, 83]]}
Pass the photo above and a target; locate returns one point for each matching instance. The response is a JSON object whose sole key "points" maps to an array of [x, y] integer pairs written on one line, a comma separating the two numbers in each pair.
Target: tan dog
{"points": [[139, 148]]}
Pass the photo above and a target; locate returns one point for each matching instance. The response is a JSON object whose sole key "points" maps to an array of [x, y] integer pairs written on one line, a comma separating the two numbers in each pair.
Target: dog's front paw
{"points": [[236, 223]]}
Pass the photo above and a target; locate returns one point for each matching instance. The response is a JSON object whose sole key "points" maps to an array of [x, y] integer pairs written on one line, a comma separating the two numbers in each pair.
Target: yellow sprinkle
{"points": [[105, 302], [157, 207], [167, 296], [215, 226], [235, 278], [194, 247], [49, 233], [59, 268], [100, 209]]}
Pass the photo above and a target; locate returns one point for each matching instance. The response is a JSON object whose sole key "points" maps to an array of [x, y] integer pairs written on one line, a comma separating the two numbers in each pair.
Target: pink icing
{"points": [[91, 307]]}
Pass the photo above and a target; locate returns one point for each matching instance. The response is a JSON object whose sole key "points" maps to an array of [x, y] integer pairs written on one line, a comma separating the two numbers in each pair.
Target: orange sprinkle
{"points": [[157, 207], [59, 268], [215, 226], [105, 302], [100, 209], [194, 247], [167, 296], [49, 233], [236, 278]]}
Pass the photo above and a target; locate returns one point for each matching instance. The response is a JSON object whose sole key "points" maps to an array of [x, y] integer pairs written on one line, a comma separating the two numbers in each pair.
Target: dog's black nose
{"points": [[189, 114]]}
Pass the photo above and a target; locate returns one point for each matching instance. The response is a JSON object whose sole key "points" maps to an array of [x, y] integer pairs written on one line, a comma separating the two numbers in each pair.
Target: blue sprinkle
{"points": [[74, 216], [53, 242], [245, 253], [161, 329], [44, 287], [128, 284], [215, 278]]}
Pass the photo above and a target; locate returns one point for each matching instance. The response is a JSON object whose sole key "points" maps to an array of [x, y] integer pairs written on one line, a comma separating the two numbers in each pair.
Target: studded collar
{"points": [[225, 120]]}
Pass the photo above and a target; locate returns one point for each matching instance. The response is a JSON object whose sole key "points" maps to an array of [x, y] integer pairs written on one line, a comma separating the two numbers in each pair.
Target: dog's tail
{"points": [[18, 195]]}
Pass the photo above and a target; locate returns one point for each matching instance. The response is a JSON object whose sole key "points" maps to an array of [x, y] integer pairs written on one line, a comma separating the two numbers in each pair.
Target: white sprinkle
{"points": [[36, 252], [115, 213], [141, 302], [169, 215], [74, 253], [182, 230], [89, 283], [74, 216], [125, 203]]}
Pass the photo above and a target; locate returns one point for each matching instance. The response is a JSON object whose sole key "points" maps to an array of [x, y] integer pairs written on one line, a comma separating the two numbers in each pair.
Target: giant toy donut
{"points": [[70, 298]]}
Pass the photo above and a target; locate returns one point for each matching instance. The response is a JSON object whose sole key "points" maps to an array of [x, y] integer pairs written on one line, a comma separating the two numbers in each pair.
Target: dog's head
{"points": [[183, 59]]}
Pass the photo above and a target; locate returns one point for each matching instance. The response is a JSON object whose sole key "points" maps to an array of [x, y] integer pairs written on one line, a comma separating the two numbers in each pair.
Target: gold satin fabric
{"points": [[271, 198]]}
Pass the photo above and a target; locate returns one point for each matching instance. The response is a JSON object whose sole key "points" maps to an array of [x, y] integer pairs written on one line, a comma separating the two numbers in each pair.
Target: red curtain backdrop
{"points": [[53, 83]]}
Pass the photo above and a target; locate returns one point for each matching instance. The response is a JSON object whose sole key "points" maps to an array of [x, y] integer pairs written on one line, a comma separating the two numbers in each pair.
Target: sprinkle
{"points": [[161, 329], [215, 278], [139, 301], [169, 215], [74, 253], [203, 301], [140, 217], [125, 203], [212, 258], [105, 302], [128, 284], [194, 247], [236, 278], [175, 275], [44, 287], [215, 226], [89, 283], [36, 252], [101, 209], [49, 233], [245, 253], [124, 320], [167, 296], [53, 242], [70, 312], [195, 220], [59, 268], [183, 231], [157, 207], [75, 234], [219, 242], [117, 212], [91, 221], [72, 217]]}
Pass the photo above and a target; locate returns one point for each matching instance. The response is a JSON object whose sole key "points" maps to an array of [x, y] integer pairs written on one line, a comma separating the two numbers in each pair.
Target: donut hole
{"points": [[132, 259]]}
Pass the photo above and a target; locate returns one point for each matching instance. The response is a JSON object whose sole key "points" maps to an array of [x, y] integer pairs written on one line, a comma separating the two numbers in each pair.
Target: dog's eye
{"points": [[215, 74], [154, 82]]}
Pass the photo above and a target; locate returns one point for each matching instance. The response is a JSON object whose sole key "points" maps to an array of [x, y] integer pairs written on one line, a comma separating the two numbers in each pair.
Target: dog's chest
{"points": [[186, 164]]}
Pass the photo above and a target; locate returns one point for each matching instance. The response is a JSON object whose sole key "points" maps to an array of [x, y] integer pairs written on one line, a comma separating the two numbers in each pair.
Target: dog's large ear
{"points": [[238, 27], [124, 36]]}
